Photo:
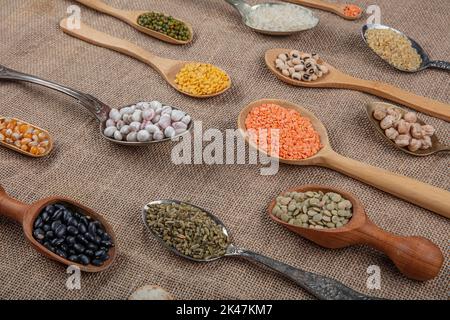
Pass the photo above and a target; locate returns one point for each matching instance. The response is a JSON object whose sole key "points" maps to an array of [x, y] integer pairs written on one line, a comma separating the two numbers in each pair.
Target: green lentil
{"points": [[318, 210], [165, 24]]}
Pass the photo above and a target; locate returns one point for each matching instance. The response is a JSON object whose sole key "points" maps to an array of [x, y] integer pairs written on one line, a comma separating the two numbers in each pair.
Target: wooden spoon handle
{"points": [[10, 207], [322, 5], [103, 7], [419, 193], [104, 40], [426, 105], [416, 257]]}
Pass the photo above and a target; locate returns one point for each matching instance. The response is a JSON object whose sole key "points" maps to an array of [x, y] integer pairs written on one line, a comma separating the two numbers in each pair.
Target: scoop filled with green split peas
{"points": [[196, 234], [158, 25]]}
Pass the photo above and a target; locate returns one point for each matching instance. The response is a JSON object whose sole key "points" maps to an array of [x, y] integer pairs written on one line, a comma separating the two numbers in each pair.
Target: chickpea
{"points": [[410, 117], [403, 140], [391, 133], [416, 131], [380, 114], [403, 127], [387, 122], [426, 143], [415, 145], [428, 130]]}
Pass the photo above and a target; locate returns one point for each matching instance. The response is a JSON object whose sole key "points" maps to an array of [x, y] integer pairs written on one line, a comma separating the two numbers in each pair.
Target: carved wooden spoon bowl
{"points": [[27, 214], [416, 257]]}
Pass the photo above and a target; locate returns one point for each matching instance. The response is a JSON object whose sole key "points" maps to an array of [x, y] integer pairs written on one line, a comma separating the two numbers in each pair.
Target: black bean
{"points": [[77, 215], [79, 247], [50, 209], [61, 253], [92, 246], [92, 228], [67, 215], [38, 223], [100, 232], [39, 234], [106, 243], [97, 262], [72, 230], [61, 231], [89, 253], [57, 215], [82, 228], [72, 222], [105, 257], [50, 234], [49, 246], [98, 240], [106, 237], [85, 220], [57, 241], [59, 206], [100, 253], [45, 216], [89, 237], [73, 257], [70, 240], [55, 224], [84, 259], [46, 227], [64, 247], [72, 252], [81, 239]]}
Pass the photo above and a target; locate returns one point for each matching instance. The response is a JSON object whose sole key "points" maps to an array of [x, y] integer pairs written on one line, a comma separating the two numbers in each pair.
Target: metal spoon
{"points": [[436, 147], [245, 10], [99, 109], [426, 62], [320, 286]]}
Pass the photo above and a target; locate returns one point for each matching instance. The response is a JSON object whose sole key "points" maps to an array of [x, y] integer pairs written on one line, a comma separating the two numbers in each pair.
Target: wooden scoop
{"points": [[167, 68], [27, 214], [416, 257], [131, 17], [338, 79], [336, 8], [419, 193]]}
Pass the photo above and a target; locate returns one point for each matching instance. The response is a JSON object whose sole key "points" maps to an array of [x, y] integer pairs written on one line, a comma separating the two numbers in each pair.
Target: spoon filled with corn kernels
{"points": [[25, 138], [138, 124]]}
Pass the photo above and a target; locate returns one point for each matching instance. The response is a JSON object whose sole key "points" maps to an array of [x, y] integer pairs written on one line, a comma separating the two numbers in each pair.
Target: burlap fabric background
{"points": [[118, 181]]}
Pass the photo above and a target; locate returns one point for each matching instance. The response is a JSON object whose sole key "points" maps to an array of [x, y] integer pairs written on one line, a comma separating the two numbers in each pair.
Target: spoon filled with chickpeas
{"points": [[311, 71], [139, 124], [405, 130]]}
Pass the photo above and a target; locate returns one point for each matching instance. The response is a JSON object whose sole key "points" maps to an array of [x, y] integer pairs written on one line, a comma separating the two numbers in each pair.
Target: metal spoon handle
{"points": [[322, 287], [240, 6], [440, 65], [95, 106]]}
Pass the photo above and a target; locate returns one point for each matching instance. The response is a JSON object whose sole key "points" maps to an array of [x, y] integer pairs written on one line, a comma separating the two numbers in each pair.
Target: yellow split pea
{"points": [[201, 79]]}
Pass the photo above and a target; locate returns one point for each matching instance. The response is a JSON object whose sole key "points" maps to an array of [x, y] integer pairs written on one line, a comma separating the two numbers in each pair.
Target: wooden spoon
{"points": [[338, 79], [416, 257], [335, 8], [167, 68], [436, 147], [27, 214], [29, 154], [419, 193], [131, 17]]}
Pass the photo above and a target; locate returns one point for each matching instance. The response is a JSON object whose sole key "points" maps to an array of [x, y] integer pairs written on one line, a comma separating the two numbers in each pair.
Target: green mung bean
{"points": [[188, 229], [165, 24]]}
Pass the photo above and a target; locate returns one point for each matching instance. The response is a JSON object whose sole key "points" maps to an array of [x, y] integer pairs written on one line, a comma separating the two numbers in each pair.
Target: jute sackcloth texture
{"points": [[117, 181]]}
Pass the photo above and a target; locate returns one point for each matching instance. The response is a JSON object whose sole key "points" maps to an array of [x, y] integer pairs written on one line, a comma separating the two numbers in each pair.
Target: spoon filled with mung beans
{"points": [[399, 50], [333, 218], [198, 235], [139, 124], [155, 24]]}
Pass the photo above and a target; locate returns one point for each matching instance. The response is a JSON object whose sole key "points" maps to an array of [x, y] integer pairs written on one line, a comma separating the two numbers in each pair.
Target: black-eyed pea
{"points": [[296, 61], [324, 69], [285, 73], [299, 67], [279, 61], [294, 54], [290, 63], [282, 56], [314, 77], [291, 71], [297, 76]]}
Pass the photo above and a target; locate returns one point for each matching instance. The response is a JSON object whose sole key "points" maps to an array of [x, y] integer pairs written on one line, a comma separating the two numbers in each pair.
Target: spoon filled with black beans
{"points": [[64, 230]]}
